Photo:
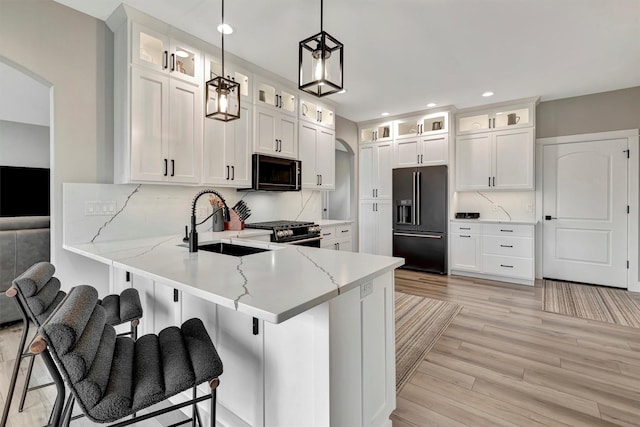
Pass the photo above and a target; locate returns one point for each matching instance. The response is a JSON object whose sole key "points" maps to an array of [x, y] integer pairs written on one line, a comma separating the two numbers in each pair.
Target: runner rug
{"points": [[420, 322], [592, 302]]}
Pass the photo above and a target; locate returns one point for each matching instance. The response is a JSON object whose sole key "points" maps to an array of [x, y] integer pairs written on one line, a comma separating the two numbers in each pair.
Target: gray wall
{"points": [[600, 112], [22, 144], [73, 54]]}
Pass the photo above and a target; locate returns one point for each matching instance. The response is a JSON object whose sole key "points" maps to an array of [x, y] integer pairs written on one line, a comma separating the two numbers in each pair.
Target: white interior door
{"points": [[585, 211]]}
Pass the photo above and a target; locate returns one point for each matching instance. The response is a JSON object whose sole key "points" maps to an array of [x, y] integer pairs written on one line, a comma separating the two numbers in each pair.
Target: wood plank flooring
{"points": [[505, 362]]}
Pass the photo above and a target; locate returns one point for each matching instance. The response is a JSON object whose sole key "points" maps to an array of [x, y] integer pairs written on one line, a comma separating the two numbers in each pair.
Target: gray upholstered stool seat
{"points": [[111, 377], [38, 294]]}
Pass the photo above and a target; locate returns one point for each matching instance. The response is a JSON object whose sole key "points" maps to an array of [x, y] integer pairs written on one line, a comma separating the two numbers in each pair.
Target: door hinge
{"points": [[127, 277], [627, 151]]}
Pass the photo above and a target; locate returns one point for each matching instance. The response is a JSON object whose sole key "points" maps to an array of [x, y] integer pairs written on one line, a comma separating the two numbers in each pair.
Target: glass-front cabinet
{"points": [[314, 112], [508, 117], [213, 68], [377, 132], [159, 52], [426, 125], [274, 96]]}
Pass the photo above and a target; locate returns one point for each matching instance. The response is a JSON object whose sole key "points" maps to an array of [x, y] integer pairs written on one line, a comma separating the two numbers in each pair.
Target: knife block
{"points": [[234, 222]]}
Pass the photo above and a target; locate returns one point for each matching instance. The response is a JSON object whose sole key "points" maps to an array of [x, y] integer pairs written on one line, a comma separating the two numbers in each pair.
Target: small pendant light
{"points": [[320, 62], [222, 94]]}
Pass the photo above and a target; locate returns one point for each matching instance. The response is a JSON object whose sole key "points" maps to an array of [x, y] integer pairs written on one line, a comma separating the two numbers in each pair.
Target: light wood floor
{"points": [[505, 362]]}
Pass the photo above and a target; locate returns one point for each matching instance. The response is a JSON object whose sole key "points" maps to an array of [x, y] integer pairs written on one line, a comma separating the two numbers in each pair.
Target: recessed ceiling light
{"points": [[343, 91], [225, 29], [431, 104], [384, 114], [489, 93], [182, 54]]}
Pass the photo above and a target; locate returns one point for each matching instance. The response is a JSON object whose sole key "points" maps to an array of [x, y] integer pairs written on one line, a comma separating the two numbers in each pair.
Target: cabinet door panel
{"points": [[148, 48], [367, 230], [265, 131], [214, 153], [307, 145], [149, 124], [185, 132], [435, 151], [407, 153], [473, 168], [166, 311], [288, 146], [384, 227], [239, 143], [384, 169], [326, 158], [514, 159], [366, 167], [465, 251]]}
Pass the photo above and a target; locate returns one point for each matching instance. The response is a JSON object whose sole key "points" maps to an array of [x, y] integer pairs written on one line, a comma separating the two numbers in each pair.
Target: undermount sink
{"points": [[231, 249]]}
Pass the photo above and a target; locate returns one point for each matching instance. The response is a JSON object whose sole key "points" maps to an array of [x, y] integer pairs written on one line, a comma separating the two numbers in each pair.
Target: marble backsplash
{"points": [[146, 210]]}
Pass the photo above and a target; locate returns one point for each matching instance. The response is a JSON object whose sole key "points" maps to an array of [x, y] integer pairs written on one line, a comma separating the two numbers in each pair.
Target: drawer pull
{"points": [[506, 246], [506, 266], [345, 231], [506, 231], [326, 234], [465, 228], [462, 235]]}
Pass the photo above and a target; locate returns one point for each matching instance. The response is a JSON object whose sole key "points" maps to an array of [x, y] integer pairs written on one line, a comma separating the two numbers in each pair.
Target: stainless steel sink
{"points": [[231, 249]]}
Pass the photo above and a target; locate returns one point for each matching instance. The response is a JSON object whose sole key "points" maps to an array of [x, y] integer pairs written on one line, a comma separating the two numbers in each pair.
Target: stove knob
{"points": [[289, 233], [279, 234]]}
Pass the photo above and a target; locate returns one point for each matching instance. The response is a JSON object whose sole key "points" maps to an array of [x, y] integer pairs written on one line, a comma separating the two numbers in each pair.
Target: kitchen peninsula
{"points": [[306, 335]]}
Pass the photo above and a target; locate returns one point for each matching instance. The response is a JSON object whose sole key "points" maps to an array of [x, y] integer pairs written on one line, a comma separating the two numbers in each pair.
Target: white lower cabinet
{"points": [[376, 221], [337, 238], [498, 251]]}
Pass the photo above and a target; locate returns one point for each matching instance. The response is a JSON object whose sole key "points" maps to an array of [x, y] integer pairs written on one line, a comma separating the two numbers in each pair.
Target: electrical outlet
{"points": [[95, 208], [366, 289]]}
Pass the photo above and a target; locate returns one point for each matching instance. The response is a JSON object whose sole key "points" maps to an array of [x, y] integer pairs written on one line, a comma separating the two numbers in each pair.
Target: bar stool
{"points": [[113, 377], [37, 293]]}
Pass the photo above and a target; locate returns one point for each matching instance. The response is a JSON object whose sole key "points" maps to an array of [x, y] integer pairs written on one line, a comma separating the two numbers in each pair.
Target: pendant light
{"points": [[320, 62], [222, 93]]}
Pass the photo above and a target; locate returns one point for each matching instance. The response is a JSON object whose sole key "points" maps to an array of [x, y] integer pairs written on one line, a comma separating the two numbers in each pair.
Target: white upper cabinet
{"points": [[213, 68], [377, 132], [314, 112], [159, 52], [317, 153], [226, 154], [422, 151], [499, 118], [275, 133], [275, 96], [430, 124], [376, 170]]}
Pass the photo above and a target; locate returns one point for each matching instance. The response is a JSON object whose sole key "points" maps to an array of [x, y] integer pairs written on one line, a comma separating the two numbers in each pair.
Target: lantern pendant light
{"points": [[320, 62], [222, 93]]}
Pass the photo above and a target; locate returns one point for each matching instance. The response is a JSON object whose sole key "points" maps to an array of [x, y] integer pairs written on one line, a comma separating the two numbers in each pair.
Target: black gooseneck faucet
{"points": [[193, 234]]}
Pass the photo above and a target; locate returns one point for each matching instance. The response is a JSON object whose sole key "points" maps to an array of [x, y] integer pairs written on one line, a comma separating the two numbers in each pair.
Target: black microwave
{"points": [[271, 173]]}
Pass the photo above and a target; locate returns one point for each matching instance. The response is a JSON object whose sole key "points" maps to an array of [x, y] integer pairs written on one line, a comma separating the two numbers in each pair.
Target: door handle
{"points": [[421, 158], [165, 59], [166, 167], [227, 171], [173, 62], [233, 173], [413, 201], [173, 167], [494, 181], [320, 179], [549, 217], [418, 191], [417, 158], [422, 236], [489, 182]]}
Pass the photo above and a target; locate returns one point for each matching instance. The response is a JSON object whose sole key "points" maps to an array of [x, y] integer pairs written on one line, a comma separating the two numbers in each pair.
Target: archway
{"points": [[340, 203]]}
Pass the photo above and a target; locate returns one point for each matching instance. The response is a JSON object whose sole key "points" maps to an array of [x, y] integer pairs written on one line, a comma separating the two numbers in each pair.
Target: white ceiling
{"points": [[402, 54]]}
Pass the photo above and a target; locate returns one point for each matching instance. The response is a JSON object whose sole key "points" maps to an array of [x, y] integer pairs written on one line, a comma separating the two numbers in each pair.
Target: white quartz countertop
{"points": [[333, 222], [497, 221], [273, 285]]}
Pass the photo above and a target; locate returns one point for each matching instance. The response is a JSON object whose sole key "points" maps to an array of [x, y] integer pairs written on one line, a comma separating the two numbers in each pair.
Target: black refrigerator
{"points": [[420, 217]]}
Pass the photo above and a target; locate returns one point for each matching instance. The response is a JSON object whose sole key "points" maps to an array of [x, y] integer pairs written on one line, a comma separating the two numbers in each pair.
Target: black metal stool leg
{"points": [[213, 384], [16, 369], [53, 371], [68, 410], [26, 382]]}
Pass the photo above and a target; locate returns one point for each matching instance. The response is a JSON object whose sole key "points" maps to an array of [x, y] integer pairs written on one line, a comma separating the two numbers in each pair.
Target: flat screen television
{"points": [[24, 191]]}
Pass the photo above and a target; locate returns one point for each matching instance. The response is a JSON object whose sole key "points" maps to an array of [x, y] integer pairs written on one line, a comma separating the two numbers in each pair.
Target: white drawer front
{"points": [[507, 266], [328, 233], [465, 227], [507, 246], [522, 230]]}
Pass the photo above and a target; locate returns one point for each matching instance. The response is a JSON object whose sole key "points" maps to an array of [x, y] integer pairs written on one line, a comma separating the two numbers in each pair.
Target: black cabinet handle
{"points": [[506, 231], [345, 231], [506, 266], [489, 182], [320, 179], [417, 158], [506, 246], [165, 60], [175, 295], [549, 217], [421, 158], [233, 173], [256, 324], [494, 181], [127, 276], [464, 235], [166, 167], [465, 228], [173, 167], [173, 62], [320, 116], [227, 172]]}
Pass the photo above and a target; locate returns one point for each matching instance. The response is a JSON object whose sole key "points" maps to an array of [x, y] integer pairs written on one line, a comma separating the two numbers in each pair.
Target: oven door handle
{"points": [[312, 239]]}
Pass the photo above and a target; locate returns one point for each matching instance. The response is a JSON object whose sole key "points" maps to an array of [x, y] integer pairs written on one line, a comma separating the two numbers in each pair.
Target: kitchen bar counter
{"points": [[273, 286]]}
